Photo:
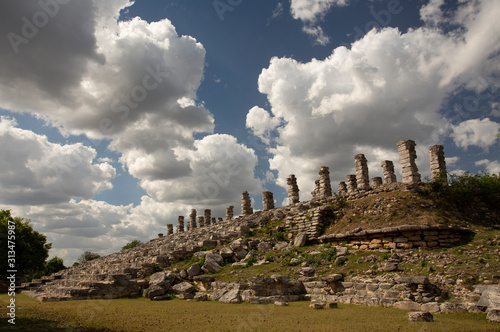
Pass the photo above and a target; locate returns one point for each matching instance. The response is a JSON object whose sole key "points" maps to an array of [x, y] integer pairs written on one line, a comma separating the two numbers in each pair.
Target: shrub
{"points": [[385, 256], [279, 236], [328, 255], [250, 260]]}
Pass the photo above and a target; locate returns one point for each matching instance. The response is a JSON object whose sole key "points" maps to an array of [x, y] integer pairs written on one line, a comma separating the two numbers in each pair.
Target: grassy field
{"points": [[177, 315]]}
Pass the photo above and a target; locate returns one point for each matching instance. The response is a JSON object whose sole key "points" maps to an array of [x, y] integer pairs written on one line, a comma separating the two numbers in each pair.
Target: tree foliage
{"points": [[132, 244], [54, 265], [87, 256], [30, 247]]}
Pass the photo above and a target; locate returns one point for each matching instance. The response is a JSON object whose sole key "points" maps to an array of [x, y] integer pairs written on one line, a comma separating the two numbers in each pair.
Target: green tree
{"points": [[54, 265], [132, 244], [87, 256], [29, 247]]}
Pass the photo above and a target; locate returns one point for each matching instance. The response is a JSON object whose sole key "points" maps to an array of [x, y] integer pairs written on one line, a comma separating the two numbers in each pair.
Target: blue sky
{"points": [[119, 116]]}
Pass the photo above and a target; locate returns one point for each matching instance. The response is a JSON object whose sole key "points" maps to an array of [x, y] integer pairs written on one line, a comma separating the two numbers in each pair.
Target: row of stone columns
{"points": [[323, 189]]}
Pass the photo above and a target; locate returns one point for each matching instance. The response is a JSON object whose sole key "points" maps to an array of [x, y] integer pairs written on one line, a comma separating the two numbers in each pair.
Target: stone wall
{"points": [[402, 237]]}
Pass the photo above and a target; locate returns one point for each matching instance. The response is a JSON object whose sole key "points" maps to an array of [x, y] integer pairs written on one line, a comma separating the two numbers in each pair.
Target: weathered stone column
{"points": [[170, 229], [342, 188], [267, 200], [376, 181], [351, 183], [438, 163], [180, 224], [219, 219], [407, 156], [388, 170], [293, 189], [208, 217], [201, 222], [325, 187], [230, 213], [214, 221], [192, 219], [362, 178], [246, 204]]}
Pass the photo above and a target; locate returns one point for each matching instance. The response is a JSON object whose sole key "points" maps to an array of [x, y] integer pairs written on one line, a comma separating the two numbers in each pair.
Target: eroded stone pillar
{"points": [[180, 224], [325, 187], [246, 204], [192, 219], [214, 221], [407, 156], [267, 200], [376, 181], [342, 188], [362, 178], [230, 213], [208, 218], [351, 183], [219, 219], [438, 163], [293, 189], [388, 170], [201, 222], [170, 229]]}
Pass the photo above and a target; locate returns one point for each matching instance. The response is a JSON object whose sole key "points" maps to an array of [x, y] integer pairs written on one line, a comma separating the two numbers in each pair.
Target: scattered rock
{"points": [[280, 245], [211, 266], [232, 296], [183, 287], [308, 271], [300, 240], [201, 297], [493, 315], [281, 303], [194, 270], [420, 316], [317, 305], [331, 305], [264, 246]]}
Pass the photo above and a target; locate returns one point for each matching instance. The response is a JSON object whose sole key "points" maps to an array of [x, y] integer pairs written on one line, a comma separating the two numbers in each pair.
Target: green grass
{"points": [[176, 315]]}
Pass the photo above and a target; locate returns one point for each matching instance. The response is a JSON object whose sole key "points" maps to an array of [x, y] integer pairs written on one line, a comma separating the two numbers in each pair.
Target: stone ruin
{"points": [[388, 170], [438, 164], [323, 185], [407, 156], [123, 274], [293, 189], [267, 201], [362, 178], [230, 212], [246, 204]]}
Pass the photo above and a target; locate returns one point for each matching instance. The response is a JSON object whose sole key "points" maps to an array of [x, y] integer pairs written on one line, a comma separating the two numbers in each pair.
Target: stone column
{"points": [[438, 164], [407, 156], [342, 188], [192, 219], [325, 187], [201, 222], [376, 181], [170, 229], [214, 221], [246, 204], [230, 213], [208, 217], [180, 224], [351, 183], [219, 220], [362, 178], [293, 189], [267, 200], [388, 170]]}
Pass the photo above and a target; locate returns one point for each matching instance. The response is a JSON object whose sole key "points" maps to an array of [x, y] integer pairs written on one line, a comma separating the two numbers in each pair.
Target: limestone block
{"points": [[232, 296], [211, 266], [194, 270], [300, 240], [183, 287]]}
